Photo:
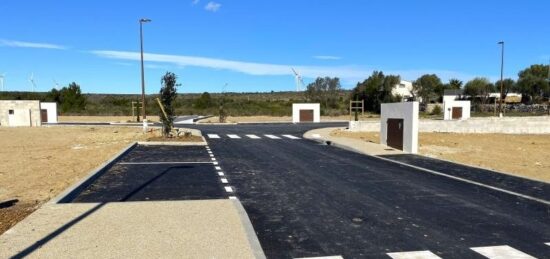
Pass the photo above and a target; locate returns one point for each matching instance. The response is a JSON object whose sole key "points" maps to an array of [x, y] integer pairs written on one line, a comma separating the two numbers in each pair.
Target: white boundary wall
{"points": [[408, 111], [296, 107], [52, 111], [506, 125], [448, 109]]}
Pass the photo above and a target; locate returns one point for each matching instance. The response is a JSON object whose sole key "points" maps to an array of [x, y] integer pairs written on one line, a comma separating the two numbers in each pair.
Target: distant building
{"points": [[27, 113], [458, 94], [403, 89]]}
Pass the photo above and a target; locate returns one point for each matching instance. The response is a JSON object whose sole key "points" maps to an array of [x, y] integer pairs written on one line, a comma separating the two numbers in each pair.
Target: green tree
{"points": [[533, 82], [168, 94], [324, 90], [478, 89], [508, 86], [375, 90], [204, 101], [454, 84], [70, 98], [429, 88]]}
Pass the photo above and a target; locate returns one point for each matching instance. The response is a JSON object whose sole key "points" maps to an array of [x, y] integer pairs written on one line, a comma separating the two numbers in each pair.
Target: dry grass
{"points": [[36, 164], [522, 155], [104, 118], [237, 119]]}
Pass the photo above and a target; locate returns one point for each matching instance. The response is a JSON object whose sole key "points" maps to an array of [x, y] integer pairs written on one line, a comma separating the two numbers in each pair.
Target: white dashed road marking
{"points": [[215, 163], [221, 174], [213, 136], [228, 189], [217, 168], [414, 255], [290, 137], [233, 136], [213, 159], [272, 136], [501, 252], [232, 197], [224, 180], [252, 136]]}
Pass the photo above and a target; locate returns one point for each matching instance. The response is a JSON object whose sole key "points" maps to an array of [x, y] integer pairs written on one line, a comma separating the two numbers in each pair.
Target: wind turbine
{"points": [[299, 82], [2, 76], [31, 80]]}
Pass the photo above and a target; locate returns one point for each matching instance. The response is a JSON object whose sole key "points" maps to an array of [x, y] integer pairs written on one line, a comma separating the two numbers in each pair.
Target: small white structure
{"points": [[306, 112], [456, 110], [399, 126], [403, 89], [51, 112], [26, 113]]}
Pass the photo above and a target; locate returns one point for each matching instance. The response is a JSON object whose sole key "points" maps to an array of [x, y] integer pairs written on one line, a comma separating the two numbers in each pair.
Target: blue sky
{"points": [[252, 45]]}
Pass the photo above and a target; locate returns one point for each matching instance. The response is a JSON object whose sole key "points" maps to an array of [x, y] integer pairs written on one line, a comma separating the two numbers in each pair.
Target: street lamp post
{"points": [[501, 75], [141, 21]]}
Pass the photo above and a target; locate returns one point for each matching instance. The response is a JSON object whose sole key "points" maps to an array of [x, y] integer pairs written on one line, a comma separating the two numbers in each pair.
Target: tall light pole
{"points": [[141, 21], [501, 75]]}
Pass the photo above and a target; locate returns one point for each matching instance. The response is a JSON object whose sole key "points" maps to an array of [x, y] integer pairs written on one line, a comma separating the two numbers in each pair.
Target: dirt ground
{"points": [[103, 118], [522, 155], [36, 164], [234, 119]]}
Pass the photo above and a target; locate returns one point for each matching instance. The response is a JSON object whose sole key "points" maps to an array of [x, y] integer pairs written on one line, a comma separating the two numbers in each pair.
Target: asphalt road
{"points": [[306, 199]]}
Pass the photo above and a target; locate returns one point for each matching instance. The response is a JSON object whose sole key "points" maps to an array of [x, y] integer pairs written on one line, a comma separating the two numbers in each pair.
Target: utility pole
{"points": [[501, 77], [141, 21]]}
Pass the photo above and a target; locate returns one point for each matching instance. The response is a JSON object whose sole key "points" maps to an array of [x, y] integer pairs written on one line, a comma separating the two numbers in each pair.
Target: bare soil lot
{"points": [[236, 119], [104, 118], [36, 164], [522, 155]]}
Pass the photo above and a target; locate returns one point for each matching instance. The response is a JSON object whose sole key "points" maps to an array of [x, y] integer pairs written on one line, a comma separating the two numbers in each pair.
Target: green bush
{"points": [[437, 110]]}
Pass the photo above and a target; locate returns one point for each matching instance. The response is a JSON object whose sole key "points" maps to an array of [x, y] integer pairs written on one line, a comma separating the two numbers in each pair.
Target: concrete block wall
{"points": [[506, 125], [20, 107]]}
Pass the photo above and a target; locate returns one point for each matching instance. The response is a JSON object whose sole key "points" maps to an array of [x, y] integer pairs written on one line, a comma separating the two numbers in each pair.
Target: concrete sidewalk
{"points": [[369, 148], [160, 229]]}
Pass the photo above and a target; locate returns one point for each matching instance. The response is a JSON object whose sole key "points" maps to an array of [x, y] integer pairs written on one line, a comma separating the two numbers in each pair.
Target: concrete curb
{"points": [[92, 176], [249, 230]]}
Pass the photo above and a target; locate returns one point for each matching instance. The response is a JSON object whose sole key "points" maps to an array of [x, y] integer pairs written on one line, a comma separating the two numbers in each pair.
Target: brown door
{"points": [[457, 113], [395, 133], [44, 115], [306, 115]]}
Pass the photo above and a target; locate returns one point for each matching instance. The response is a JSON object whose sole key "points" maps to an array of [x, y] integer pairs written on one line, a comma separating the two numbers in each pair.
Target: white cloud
{"points": [[195, 2], [212, 6], [22, 44], [327, 57], [349, 74]]}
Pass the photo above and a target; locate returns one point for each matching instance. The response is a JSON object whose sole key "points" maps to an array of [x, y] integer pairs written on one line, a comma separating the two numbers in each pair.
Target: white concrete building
{"points": [[51, 110], [456, 110], [26, 113], [306, 112], [399, 126], [403, 89]]}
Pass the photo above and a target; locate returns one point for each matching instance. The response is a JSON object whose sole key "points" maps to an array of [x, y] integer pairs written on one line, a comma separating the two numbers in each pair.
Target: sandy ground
{"points": [[233, 119], [103, 118], [36, 164], [522, 155]]}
